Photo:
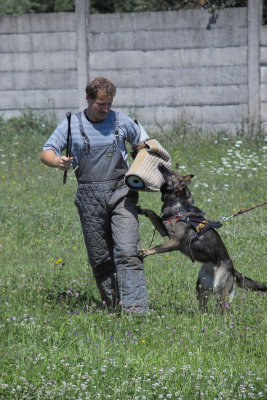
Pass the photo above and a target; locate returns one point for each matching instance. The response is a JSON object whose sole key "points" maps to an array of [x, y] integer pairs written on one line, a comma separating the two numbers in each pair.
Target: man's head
{"points": [[100, 87], [99, 95]]}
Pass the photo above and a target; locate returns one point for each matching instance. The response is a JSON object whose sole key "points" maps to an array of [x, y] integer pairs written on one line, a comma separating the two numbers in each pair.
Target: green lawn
{"points": [[56, 339]]}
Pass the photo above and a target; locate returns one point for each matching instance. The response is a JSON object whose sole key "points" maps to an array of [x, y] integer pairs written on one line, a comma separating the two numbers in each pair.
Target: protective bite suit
{"points": [[107, 210]]}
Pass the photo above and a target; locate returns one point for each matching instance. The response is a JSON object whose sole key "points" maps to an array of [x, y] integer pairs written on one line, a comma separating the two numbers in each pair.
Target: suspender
{"points": [[86, 144], [116, 131], [79, 116]]}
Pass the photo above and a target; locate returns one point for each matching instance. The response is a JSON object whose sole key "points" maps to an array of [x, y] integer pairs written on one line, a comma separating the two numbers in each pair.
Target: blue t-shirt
{"points": [[98, 133]]}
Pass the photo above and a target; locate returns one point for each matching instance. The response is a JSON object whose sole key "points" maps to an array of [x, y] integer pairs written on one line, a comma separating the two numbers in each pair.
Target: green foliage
{"points": [[111, 6], [14, 7], [58, 342], [117, 6], [102, 6], [35, 6], [28, 123], [64, 5]]}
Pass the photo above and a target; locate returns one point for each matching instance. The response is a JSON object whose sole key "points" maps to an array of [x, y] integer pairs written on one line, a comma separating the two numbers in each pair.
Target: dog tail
{"points": [[247, 283]]}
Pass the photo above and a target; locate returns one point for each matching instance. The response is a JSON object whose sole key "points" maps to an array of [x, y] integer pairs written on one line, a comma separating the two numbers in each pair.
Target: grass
{"points": [[58, 342]]}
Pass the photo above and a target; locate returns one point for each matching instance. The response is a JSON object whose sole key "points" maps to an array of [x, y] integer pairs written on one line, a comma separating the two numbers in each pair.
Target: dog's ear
{"points": [[184, 182], [188, 177]]}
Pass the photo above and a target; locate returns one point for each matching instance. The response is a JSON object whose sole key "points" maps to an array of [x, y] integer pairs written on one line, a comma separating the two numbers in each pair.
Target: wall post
{"points": [[82, 8], [254, 25]]}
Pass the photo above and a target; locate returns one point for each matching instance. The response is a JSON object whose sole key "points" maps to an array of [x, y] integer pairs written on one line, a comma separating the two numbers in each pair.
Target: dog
{"points": [[190, 233]]}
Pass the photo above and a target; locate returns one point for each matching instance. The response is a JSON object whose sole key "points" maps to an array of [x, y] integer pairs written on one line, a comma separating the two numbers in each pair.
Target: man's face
{"points": [[99, 108]]}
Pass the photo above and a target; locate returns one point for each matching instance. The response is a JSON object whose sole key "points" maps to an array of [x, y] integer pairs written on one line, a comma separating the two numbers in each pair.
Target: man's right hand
{"points": [[64, 163]]}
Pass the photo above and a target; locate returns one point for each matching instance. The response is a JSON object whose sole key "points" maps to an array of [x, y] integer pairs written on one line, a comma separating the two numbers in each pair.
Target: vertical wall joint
{"points": [[254, 25], [81, 16]]}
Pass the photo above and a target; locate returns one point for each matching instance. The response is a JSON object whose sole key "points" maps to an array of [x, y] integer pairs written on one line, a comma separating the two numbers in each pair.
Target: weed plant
{"points": [[59, 342]]}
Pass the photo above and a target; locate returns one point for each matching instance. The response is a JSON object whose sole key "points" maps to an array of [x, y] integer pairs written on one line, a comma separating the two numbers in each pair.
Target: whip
{"points": [[68, 115]]}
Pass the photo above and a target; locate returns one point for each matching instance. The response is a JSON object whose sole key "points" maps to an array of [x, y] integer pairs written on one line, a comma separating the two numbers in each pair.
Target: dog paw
{"points": [[142, 253], [144, 211], [149, 213]]}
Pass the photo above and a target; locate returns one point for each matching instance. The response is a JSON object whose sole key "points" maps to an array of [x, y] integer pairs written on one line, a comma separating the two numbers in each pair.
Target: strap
{"points": [[79, 116], [117, 122], [137, 123], [86, 144], [141, 146]]}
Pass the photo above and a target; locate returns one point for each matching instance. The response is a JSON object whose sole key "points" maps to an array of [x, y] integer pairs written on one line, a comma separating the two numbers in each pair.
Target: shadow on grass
{"points": [[67, 298]]}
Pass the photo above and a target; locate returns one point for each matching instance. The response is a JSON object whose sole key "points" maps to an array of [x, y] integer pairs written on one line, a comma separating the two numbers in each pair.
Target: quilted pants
{"points": [[109, 222]]}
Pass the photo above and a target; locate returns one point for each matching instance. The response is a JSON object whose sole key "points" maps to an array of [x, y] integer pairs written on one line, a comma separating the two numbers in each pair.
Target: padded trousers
{"points": [[110, 227]]}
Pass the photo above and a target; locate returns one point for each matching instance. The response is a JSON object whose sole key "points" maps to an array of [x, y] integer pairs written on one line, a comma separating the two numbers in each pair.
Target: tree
{"points": [[35, 6], [102, 6], [116, 6]]}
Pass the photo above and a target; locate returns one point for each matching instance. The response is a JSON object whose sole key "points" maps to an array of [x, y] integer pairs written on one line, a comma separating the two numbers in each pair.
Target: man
{"points": [[106, 206]]}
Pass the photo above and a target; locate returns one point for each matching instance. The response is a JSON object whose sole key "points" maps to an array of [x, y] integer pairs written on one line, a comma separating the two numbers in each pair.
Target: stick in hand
{"points": [[68, 115]]}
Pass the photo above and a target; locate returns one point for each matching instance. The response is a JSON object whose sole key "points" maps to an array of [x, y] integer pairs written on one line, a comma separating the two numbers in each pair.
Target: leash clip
{"points": [[223, 219]]}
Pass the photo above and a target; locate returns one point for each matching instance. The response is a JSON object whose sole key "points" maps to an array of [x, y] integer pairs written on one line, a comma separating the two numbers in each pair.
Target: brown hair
{"points": [[100, 86]]}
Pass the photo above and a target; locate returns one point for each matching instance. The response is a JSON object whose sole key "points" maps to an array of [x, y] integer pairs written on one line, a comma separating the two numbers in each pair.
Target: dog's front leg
{"points": [[154, 218], [171, 245]]}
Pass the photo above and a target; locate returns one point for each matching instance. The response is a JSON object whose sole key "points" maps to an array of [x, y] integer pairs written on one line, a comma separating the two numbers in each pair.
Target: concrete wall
{"points": [[167, 66], [38, 65], [263, 76]]}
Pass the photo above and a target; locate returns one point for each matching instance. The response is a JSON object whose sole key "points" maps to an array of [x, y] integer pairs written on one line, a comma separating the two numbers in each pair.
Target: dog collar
{"points": [[178, 217]]}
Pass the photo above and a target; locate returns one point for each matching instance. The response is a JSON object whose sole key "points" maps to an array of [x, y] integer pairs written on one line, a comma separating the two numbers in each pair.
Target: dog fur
{"points": [[217, 274]]}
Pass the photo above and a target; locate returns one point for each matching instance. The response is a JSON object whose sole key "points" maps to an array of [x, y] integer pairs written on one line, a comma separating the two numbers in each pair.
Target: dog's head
{"points": [[174, 183]]}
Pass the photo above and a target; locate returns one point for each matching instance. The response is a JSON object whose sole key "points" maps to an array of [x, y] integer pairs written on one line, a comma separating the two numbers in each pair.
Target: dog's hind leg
{"points": [[202, 297], [204, 285], [223, 286]]}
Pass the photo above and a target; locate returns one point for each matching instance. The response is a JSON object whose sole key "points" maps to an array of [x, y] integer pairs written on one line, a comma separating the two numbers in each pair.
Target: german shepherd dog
{"points": [[194, 236]]}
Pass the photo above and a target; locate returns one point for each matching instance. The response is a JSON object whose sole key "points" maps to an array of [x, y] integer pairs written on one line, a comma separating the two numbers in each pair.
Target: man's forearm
{"points": [[50, 158]]}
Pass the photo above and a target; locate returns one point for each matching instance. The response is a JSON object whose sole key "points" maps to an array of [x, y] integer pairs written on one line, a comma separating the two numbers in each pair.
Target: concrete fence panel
{"points": [[209, 70], [167, 20], [194, 76]]}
